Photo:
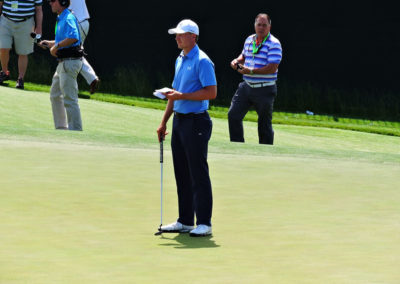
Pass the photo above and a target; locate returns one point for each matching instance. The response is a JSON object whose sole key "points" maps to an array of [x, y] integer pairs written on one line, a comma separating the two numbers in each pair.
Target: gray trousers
{"points": [[263, 100], [64, 95]]}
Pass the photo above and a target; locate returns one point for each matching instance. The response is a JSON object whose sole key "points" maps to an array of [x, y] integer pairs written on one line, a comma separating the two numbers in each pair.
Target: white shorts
{"points": [[84, 30], [17, 32]]}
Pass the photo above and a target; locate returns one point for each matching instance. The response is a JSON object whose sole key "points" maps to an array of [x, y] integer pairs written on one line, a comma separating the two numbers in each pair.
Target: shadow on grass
{"points": [[184, 241]]}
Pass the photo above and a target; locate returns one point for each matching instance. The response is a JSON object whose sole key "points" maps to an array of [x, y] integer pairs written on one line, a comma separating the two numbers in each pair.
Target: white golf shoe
{"points": [[176, 228], [201, 231]]}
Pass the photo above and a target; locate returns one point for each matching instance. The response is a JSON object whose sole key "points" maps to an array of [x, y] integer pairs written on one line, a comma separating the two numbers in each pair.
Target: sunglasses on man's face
{"points": [[51, 1]]}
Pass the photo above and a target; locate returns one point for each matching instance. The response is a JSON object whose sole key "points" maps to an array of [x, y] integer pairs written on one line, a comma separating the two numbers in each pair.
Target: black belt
{"points": [[190, 114], [17, 21]]}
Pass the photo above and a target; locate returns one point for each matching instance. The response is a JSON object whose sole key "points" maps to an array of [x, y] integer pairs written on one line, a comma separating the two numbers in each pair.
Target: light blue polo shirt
{"points": [[67, 27], [193, 72], [269, 52]]}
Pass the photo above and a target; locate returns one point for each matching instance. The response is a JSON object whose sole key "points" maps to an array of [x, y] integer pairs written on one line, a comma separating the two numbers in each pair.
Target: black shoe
{"points": [[94, 85], [4, 76], [20, 84]]}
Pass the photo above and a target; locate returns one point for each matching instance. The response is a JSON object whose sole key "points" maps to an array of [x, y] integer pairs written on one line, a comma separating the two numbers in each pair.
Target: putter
{"points": [[161, 183]]}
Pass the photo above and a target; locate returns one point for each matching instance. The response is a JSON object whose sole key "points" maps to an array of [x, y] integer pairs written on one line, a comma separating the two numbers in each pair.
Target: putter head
{"points": [[159, 231]]}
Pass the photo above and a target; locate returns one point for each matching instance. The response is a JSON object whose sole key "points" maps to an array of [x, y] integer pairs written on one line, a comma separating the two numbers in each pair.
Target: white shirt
{"points": [[80, 10]]}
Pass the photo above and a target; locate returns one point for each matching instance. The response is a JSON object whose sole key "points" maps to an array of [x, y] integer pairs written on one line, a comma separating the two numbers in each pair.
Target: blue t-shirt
{"points": [[67, 27], [193, 72]]}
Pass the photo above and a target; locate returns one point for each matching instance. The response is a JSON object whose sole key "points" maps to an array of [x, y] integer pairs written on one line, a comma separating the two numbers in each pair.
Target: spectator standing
{"points": [[258, 63], [18, 19], [67, 49]]}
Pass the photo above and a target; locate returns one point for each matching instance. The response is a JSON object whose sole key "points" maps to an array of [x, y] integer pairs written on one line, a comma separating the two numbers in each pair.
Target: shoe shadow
{"points": [[184, 241]]}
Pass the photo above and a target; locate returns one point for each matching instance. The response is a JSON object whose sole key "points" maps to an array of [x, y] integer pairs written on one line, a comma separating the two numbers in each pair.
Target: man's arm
{"points": [[238, 60], [162, 129], [39, 19], [267, 69], [206, 93], [1, 7]]}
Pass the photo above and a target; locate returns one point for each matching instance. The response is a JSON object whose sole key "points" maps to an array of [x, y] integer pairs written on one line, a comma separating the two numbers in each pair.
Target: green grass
{"points": [[370, 126], [320, 206]]}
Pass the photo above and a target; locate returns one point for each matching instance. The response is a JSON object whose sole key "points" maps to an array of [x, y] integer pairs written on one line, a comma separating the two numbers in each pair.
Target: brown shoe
{"points": [[94, 85]]}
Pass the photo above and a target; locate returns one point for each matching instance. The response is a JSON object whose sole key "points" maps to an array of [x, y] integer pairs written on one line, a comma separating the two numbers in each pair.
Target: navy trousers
{"points": [[189, 143], [263, 100]]}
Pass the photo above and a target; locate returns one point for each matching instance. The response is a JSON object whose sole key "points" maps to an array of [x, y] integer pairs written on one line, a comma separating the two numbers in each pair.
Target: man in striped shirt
{"points": [[258, 63], [17, 21]]}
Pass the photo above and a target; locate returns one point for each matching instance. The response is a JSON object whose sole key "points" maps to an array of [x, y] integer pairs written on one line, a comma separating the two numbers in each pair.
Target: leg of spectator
{"points": [[22, 65], [69, 88], [5, 58], [264, 102], [57, 103], [239, 107]]}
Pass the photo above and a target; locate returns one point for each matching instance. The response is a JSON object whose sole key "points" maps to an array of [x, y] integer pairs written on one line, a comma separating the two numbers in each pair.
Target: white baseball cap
{"points": [[185, 26]]}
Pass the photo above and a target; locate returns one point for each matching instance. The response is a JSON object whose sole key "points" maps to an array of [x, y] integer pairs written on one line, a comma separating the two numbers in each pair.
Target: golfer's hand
{"points": [[175, 95], [161, 132]]}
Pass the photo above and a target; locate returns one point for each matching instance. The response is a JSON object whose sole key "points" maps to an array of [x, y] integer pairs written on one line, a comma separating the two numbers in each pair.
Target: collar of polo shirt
{"points": [[192, 53]]}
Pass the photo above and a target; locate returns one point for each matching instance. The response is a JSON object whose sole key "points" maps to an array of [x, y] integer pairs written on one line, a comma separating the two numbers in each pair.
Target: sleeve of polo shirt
{"points": [[244, 47], [207, 73], [38, 3], [275, 53], [72, 30]]}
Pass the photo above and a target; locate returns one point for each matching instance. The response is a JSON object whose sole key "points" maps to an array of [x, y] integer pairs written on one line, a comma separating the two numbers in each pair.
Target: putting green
{"points": [[321, 206]]}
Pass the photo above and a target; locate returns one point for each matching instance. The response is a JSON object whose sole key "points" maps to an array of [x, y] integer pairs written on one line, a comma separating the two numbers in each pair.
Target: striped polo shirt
{"points": [[20, 10], [269, 52]]}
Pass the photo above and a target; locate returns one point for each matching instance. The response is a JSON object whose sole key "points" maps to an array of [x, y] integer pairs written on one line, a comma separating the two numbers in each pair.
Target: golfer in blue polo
{"points": [[194, 85]]}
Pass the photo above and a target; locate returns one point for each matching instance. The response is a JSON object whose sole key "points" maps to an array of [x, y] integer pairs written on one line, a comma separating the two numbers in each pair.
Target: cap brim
{"points": [[176, 31]]}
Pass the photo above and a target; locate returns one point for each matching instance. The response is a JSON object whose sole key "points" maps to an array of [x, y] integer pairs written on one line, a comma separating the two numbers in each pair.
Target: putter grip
{"points": [[161, 150]]}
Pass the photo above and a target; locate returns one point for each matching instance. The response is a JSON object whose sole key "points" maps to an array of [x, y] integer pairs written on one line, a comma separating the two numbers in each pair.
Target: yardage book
{"points": [[160, 92]]}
